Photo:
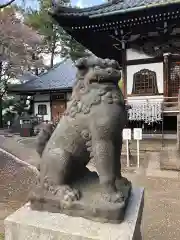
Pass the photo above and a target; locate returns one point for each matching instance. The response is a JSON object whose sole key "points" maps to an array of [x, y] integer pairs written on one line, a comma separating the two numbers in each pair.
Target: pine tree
{"points": [[56, 40], [71, 48], [40, 21]]}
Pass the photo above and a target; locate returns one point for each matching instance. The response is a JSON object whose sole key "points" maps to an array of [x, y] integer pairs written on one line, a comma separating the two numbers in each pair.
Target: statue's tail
{"points": [[43, 137]]}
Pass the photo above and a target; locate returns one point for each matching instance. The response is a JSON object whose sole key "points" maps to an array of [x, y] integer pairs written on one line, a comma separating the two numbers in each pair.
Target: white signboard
{"points": [[126, 134], [137, 133]]}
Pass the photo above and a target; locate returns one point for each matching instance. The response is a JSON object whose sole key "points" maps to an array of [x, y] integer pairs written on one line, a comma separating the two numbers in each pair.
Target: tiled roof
{"points": [[118, 6], [27, 77], [62, 76]]}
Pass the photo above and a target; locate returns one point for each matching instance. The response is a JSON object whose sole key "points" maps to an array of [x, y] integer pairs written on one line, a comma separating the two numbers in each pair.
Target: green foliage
{"points": [[1, 236], [120, 84], [41, 21], [12, 107], [56, 40], [71, 48]]}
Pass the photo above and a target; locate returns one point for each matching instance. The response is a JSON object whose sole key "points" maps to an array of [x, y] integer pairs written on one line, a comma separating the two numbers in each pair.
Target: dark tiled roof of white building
{"points": [[61, 77]]}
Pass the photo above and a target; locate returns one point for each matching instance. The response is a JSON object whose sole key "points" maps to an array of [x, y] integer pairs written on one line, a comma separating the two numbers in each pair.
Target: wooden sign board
{"points": [[126, 134], [137, 132]]}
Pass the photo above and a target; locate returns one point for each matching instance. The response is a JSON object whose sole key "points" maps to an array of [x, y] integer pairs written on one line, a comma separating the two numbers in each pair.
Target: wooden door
{"points": [[58, 108]]}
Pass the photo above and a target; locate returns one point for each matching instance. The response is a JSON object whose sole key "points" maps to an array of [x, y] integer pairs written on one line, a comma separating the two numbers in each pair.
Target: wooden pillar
{"points": [[123, 60], [167, 90], [50, 96], [178, 124]]}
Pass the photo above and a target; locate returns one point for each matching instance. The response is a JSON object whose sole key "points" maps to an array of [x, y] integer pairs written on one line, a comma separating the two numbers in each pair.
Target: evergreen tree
{"points": [[71, 48], [56, 40]]}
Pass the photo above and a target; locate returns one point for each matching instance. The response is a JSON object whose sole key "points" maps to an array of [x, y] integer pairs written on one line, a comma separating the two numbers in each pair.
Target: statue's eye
{"points": [[109, 71]]}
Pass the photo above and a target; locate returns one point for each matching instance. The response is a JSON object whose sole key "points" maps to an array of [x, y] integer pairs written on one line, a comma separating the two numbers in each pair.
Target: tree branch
{"points": [[6, 4]]}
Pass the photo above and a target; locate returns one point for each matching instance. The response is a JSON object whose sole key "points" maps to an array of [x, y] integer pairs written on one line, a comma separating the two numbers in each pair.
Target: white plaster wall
{"points": [[141, 99], [135, 55], [41, 97], [46, 117], [156, 67]]}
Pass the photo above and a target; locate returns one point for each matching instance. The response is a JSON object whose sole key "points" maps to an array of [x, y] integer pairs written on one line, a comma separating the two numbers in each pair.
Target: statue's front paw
{"points": [[116, 197], [67, 195], [71, 195]]}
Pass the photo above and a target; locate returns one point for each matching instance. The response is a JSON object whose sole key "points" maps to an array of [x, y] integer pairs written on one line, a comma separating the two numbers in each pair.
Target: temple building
{"points": [[144, 37], [49, 91]]}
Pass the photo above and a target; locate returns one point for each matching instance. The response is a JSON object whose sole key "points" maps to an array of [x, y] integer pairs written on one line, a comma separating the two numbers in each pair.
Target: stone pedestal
{"points": [[26, 224]]}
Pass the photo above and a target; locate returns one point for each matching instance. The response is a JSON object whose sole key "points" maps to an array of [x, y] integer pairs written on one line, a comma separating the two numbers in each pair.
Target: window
{"points": [[174, 78], [60, 96], [42, 109], [145, 83]]}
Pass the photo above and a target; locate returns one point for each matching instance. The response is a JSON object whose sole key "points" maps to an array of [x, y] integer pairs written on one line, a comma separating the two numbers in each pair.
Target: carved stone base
{"points": [[93, 203], [26, 224]]}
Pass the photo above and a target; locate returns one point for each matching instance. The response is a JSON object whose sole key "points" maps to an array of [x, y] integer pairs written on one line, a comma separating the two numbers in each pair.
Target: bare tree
{"points": [[6, 4], [18, 43]]}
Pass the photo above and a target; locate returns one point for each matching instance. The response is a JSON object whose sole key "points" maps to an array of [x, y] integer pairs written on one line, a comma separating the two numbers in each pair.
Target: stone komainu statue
{"points": [[90, 128]]}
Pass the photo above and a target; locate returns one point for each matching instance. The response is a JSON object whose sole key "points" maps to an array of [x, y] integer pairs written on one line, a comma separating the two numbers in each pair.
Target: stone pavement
{"points": [[170, 159], [22, 151], [161, 217], [154, 167]]}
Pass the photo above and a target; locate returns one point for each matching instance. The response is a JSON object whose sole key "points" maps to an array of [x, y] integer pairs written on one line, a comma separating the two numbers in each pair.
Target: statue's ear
{"points": [[82, 68], [81, 63]]}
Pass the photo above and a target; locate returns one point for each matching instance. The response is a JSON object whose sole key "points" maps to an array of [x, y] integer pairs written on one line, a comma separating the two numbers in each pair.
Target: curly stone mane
{"points": [[94, 70], [92, 73]]}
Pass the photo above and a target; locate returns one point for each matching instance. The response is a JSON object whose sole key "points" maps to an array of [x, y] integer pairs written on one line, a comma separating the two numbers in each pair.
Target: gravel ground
{"points": [[16, 180]]}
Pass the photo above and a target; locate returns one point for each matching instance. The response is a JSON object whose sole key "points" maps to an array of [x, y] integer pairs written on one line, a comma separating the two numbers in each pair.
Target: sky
{"points": [[79, 3]]}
